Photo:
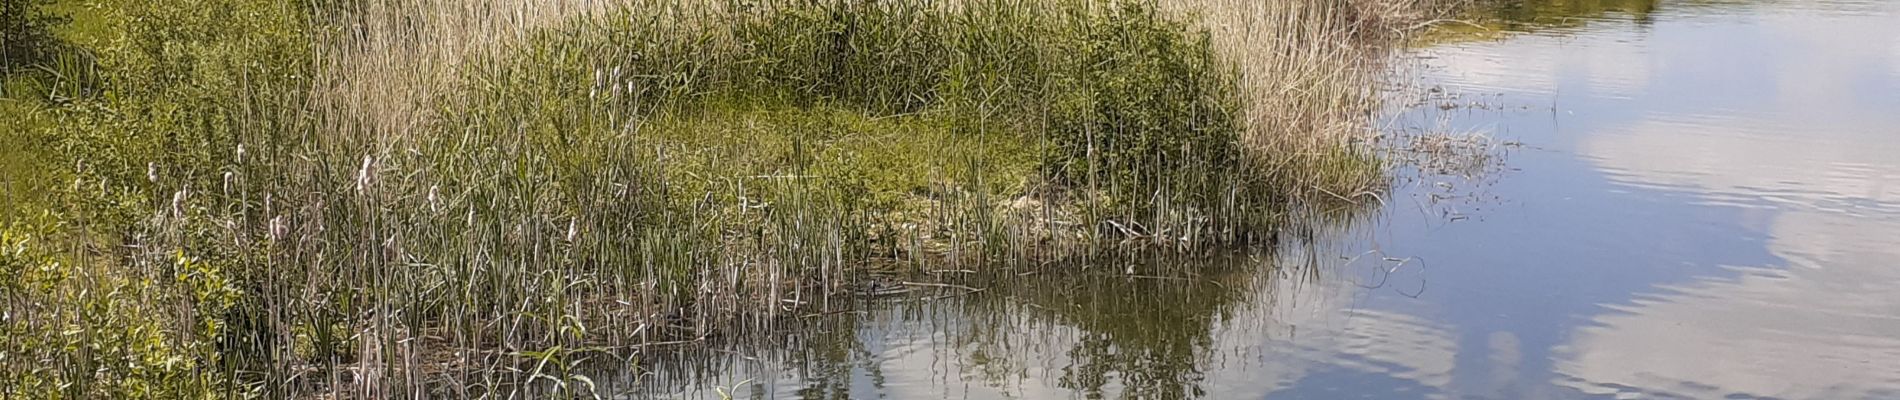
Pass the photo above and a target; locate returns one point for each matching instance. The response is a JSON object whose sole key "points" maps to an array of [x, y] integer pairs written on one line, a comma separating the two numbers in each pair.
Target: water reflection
{"points": [[1779, 113], [1812, 147], [1526, 16], [1708, 208], [1822, 329], [1165, 330]]}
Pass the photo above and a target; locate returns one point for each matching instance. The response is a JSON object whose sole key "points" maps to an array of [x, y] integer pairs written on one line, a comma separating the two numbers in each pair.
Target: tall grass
{"points": [[464, 198]]}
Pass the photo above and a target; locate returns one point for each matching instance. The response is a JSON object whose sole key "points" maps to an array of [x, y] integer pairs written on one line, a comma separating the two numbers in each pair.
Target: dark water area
{"points": [[1681, 200]]}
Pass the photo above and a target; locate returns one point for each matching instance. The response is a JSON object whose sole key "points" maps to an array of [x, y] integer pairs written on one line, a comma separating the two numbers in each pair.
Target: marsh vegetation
{"points": [[338, 198]]}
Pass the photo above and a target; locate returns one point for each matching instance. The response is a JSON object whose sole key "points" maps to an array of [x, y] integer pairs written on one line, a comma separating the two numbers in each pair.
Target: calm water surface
{"points": [[1705, 204]]}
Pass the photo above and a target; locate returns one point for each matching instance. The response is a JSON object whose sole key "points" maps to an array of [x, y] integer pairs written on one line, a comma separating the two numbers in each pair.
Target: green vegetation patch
{"points": [[880, 160], [228, 223], [892, 98]]}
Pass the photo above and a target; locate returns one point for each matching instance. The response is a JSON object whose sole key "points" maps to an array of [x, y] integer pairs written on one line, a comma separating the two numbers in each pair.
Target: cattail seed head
{"points": [[363, 174]]}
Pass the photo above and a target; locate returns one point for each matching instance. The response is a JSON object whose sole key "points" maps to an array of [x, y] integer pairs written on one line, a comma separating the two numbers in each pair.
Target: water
{"points": [[1685, 199]]}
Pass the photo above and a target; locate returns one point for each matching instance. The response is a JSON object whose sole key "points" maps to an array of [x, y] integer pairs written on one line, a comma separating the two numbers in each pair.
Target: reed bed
{"points": [[421, 198]]}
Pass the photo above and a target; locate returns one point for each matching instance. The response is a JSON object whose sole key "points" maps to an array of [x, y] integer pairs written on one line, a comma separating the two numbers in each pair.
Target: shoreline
{"points": [[231, 189]]}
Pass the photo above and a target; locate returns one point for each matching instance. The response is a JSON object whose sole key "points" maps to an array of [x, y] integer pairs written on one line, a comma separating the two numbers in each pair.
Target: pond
{"points": [[1695, 199]]}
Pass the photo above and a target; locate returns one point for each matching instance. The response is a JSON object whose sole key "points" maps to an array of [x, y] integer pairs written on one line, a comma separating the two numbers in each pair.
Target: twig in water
{"points": [[942, 285]]}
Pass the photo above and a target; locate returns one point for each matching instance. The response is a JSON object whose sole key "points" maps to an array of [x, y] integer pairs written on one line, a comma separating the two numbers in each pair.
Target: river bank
{"points": [[384, 199]]}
